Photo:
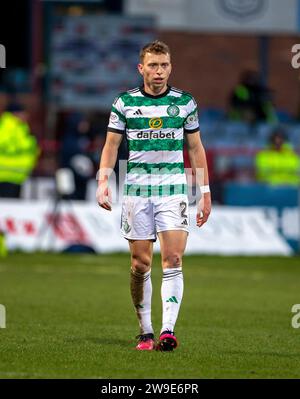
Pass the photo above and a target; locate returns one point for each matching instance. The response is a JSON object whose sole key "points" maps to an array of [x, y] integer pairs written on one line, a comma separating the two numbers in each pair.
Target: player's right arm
{"points": [[107, 164], [115, 132]]}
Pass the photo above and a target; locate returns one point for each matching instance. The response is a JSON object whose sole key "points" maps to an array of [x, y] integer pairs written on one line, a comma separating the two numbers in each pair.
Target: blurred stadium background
{"points": [[65, 63], [68, 60]]}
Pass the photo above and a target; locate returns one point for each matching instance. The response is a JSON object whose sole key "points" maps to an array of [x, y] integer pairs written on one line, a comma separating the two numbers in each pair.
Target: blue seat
{"points": [[293, 133], [211, 114], [284, 116], [256, 194]]}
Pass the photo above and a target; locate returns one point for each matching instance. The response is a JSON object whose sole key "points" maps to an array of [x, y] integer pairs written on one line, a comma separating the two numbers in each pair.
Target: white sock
{"points": [[141, 293], [171, 295]]}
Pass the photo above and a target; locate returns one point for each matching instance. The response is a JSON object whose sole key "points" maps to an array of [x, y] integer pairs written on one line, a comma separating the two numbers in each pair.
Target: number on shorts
{"points": [[183, 206]]}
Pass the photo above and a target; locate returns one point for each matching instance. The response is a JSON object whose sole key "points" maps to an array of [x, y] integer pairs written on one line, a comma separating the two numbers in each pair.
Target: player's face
{"points": [[156, 70]]}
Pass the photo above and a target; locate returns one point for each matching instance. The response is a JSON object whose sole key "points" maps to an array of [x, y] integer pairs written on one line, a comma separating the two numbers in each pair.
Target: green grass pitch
{"points": [[70, 316]]}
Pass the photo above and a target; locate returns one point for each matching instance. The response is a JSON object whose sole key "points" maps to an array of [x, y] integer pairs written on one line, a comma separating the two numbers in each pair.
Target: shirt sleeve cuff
{"points": [[188, 131], [113, 130]]}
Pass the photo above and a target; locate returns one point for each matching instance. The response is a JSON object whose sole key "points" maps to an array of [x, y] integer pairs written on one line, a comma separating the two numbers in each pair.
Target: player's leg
{"points": [[137, 226], [141, 289], [172, 224], [172, 245]]}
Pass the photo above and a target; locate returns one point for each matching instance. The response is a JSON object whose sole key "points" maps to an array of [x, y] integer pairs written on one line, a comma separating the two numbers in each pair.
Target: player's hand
{"points": [[203, 209], [103, 195]]}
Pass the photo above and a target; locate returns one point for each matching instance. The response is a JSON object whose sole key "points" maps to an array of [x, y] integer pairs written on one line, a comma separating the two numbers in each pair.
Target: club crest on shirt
{"points": [[242, 9], [155, 123], [126, 226], [173, 110]]}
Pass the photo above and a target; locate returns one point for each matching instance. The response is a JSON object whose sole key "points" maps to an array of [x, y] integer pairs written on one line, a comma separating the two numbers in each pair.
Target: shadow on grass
{"points": [[100, 341], [263, 353]]}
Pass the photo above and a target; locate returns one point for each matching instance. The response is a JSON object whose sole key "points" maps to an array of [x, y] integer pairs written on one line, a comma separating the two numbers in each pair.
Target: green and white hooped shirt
{"points": [[155, 128]]}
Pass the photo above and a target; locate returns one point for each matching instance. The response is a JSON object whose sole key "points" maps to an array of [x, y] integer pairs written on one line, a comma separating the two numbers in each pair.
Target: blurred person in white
{"points": [[155, 118], [75, 153], [19, 150]]}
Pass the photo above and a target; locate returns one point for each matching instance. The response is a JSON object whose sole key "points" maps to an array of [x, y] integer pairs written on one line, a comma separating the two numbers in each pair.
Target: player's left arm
{"points": [[198, 161]]}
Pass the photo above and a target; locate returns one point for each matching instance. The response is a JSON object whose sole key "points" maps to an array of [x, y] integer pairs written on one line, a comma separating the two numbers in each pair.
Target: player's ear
{"points": [[140, 69]]}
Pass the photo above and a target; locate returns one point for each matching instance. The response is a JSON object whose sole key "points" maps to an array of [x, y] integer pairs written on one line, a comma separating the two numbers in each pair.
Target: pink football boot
{"points": [[167, 341], [145, 342]]}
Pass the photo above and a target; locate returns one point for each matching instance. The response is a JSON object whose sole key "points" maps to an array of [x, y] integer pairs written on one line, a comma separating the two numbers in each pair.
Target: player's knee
{"points": [[141, 264], [172, 260]]}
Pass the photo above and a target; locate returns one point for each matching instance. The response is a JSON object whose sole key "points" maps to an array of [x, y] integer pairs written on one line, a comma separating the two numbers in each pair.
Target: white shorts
{"points": [[143, 218]]}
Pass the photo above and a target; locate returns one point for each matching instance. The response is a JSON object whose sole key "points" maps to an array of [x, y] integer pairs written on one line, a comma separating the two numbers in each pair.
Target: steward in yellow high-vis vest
{"points": [[18, 149], [279, 164]]}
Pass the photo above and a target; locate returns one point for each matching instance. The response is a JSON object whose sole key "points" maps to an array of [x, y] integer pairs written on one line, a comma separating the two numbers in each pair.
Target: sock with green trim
{"points": [[171, 295]]}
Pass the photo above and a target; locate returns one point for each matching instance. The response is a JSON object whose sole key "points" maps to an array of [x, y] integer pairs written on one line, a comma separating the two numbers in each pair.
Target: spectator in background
{"points": [[75, 153], [18, 150], [279, 164], [251, 101]]}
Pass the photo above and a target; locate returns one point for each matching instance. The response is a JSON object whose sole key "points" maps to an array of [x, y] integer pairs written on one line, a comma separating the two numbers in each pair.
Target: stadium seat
{"points": [[237, 133], [211, 114], [284, 116], [255, 194], [263, 132], [293, 133]]}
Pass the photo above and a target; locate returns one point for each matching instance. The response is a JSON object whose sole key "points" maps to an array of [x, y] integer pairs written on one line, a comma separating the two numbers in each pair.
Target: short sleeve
{"points": [[191, 123], [117, 119]]}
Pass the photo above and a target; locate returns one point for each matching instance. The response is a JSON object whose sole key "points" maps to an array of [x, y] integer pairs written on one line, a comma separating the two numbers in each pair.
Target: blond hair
{"points": [[156, 47]]}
